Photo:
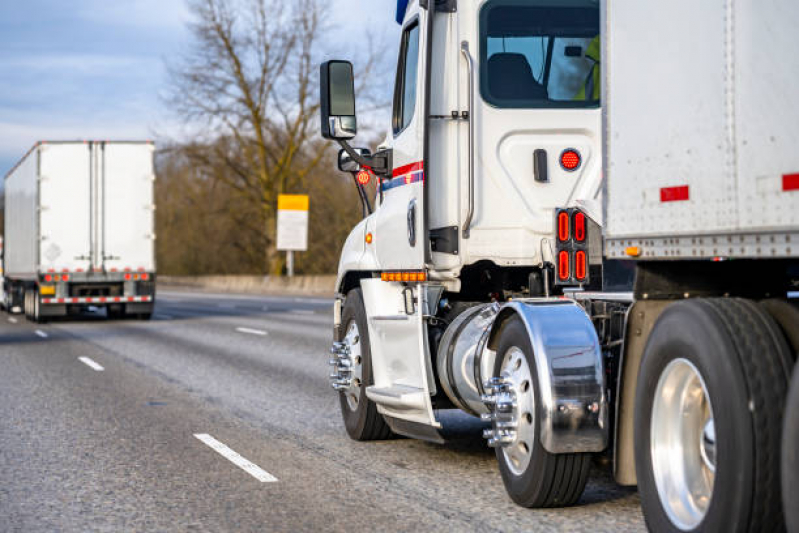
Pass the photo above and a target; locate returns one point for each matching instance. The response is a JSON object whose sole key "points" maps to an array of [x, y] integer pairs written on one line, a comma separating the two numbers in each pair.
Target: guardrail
{"points": [[310, 285]]}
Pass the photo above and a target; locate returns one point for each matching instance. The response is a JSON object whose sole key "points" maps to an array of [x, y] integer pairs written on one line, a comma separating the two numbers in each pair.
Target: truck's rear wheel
{"points": [[790, 456], [708, 417], [361, 418], [533, 477]]}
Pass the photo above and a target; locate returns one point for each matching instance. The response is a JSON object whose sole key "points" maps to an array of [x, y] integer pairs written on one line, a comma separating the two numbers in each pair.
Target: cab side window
{"points": [[407, 74]]}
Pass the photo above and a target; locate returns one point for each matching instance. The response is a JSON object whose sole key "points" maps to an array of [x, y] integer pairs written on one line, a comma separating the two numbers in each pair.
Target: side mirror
{"points": [[337, 98], [347, 163]]}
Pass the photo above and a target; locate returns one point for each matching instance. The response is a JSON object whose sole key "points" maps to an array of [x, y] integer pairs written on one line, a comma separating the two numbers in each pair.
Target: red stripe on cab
{"points": [[675, 194], [413, 167]]}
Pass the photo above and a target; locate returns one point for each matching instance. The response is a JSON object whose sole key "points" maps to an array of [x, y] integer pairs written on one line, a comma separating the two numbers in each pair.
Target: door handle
{"points": [[412, 222]]}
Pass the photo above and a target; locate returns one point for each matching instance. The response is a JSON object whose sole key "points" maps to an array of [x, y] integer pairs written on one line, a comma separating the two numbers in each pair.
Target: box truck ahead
{"points": [[586, 231], [79, 230]]}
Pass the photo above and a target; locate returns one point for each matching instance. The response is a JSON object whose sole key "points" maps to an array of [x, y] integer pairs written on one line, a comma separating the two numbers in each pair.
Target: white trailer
{"points": [[79, 229], [633, 305]]}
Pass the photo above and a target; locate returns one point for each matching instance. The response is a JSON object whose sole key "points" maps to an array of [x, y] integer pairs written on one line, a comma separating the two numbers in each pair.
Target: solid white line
{"points": [[254, 470], [41, 333], [251, 331], [91, 364], [12, 320], [302, 312]]}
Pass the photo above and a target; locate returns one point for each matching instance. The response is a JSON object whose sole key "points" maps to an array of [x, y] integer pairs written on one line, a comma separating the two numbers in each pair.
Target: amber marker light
{"points": [[633, 251], [368, 238]]}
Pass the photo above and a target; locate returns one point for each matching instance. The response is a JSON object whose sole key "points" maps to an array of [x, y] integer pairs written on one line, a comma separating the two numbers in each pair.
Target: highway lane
{"points": [[84, 449]]}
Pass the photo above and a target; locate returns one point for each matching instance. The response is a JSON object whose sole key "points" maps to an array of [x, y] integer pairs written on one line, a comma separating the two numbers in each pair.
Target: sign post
{"points": [[292, 226]]}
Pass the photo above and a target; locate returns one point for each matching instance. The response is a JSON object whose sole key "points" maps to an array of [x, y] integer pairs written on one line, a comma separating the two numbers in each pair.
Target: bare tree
{"points": [[251, 80]]}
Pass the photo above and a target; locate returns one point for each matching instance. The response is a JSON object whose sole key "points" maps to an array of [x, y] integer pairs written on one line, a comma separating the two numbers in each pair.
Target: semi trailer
{"points": [[585, 233], [79, 230]]}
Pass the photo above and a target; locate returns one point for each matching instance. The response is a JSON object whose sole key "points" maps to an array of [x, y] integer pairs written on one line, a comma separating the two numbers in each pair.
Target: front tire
{"points": [[533, 477], [709, 404], [360, 415]]}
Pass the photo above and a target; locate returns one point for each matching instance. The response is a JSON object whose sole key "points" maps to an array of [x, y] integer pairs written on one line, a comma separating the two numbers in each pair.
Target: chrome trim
{"points": [[390, 317], [470, 71], [573, 410]]}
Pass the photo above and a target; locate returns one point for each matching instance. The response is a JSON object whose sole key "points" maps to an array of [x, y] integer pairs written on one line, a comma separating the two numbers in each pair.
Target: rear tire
{"points": [[716, 471], [790, 456], [360, 415], [534, 477]]}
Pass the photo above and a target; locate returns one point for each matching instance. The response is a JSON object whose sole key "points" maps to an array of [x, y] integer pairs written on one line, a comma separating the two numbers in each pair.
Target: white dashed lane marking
{"points": [[12, 320], [91, 364], [251, 468], [42, 334], [251, 331]]}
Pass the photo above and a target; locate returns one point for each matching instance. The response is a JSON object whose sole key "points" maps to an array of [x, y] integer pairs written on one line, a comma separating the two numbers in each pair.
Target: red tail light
{"points": [[580, 266], [145, 277], [48, 278], [128, 277], [570, 159], [563, 265], [65, 277], [563, 226], [579, 227]]}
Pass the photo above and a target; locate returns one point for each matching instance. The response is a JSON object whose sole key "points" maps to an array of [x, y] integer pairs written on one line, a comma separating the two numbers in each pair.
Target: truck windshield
{"points": [[539, 55]]}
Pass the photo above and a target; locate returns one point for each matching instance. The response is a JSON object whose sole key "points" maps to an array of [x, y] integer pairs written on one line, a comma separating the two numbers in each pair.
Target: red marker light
{"points": [[580, 266], [363, 177], [48, 277], [563, 226], [570, 159], [65, 277], [563, 265], [579, 227], [145, 277], [127, 277]]}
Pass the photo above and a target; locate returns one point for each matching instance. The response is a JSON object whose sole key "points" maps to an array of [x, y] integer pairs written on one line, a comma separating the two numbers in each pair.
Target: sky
{"points": [[96, 69]]}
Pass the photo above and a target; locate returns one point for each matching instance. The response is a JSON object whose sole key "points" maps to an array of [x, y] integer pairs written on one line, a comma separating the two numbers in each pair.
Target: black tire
{"points": [[550, 480], [37, 307], [741, 356], [786, 315], [790, 456], [363, 423]]}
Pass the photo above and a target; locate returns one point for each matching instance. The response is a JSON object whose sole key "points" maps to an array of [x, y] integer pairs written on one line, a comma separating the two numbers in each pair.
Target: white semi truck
{"points": [[79, 230], [586, 231]]}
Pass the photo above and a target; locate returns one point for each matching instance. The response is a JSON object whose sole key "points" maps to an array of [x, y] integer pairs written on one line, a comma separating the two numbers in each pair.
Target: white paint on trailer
{"points": [[91, 364], [251, 468], [251, 331]]}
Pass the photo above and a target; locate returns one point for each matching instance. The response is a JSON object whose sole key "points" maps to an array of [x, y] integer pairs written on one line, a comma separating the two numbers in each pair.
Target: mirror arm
{"points": [[366, 207], [379, 163]]}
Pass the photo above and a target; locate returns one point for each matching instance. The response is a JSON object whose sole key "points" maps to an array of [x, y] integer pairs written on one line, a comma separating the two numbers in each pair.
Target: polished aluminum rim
{"points": [[353, 341], [683, 444], [516, 371]]}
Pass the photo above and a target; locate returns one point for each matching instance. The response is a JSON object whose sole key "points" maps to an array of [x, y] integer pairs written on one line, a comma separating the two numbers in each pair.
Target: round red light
{"points": [[145, 276], [570, 159], [363, 177], [65, 277], [48, 277]]}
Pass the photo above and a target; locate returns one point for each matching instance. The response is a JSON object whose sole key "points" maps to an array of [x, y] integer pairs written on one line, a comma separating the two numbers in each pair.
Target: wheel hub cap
{"points": [[346, 365], [683, 444], [511, 403]]}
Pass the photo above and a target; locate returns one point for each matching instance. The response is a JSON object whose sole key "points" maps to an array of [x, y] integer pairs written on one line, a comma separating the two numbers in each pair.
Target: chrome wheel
{"points": [[683, 444], [516, 373], [353, 342]]}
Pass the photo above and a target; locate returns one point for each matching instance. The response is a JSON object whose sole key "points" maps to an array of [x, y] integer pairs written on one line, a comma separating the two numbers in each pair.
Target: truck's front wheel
{"points": [[533, 477], [709, 403], [361, 418]]}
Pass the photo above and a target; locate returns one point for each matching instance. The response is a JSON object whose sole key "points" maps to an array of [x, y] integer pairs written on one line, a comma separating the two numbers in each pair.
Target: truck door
{"points": [[127, 208], [399, 230]]}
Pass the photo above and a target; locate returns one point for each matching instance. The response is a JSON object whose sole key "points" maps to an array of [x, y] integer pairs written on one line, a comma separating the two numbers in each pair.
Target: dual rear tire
{"points": [[708, 422]]}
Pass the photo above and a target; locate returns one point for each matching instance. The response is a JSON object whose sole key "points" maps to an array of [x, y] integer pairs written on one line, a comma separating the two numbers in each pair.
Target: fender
{"points": [[573, 410]]}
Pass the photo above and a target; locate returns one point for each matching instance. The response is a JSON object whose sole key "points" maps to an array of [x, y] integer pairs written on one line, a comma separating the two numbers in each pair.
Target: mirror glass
{"points": [[347, 163], [338, 100]]}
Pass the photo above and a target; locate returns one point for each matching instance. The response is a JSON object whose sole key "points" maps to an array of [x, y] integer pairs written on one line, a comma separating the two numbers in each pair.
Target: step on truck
{"points": [[79, 230], [585, 232]]}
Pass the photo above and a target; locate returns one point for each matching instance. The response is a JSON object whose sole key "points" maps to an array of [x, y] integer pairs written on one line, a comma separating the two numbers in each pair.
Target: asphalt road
{"points": [[149, 442]]}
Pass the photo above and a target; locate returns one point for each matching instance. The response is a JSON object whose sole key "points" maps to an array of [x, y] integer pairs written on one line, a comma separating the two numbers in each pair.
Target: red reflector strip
{"points": [[96, 300], [563, 265], [674, 194], [790, 182], [579, 265]]}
